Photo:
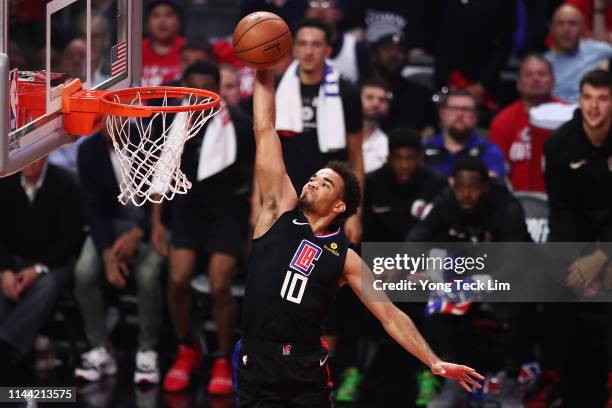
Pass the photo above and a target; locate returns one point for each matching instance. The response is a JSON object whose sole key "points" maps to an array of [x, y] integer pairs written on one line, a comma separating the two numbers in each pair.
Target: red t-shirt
{"points": [[510, 131], [158, 69]]}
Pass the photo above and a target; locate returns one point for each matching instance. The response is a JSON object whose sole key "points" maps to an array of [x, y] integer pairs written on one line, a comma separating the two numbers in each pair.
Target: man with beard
{"points": [[375, 100], [458, 138], [411, 105], [510, 127]]}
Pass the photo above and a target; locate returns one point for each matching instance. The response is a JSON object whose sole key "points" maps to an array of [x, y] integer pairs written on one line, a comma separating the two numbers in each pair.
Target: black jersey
{"points": [[292, 281]]}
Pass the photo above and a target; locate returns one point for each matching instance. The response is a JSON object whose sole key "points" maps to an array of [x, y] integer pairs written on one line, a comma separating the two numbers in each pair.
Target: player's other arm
{"points": [[401, 328], [277, 192]]}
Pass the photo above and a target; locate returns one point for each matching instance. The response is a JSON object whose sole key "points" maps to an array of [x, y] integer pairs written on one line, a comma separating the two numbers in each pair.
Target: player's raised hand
{"points": [[464, 375]]}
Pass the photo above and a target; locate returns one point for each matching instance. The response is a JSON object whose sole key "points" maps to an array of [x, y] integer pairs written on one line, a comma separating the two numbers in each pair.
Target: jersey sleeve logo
{"points": [[304, 257]]}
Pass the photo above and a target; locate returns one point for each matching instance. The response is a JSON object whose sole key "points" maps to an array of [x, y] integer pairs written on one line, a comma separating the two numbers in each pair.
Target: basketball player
{"points": [[298, 261]]}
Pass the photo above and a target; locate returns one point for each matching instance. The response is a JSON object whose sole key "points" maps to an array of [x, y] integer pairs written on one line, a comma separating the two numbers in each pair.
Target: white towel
{"points": [[219, 148], [331, 132]]}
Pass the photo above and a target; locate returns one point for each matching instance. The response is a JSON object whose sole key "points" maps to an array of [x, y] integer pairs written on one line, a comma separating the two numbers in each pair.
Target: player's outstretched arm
{"points": [[277, 192], [401, 328]]}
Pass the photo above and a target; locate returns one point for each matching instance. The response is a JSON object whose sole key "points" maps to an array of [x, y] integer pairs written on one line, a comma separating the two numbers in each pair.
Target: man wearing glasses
{"points": [[458, 138]]}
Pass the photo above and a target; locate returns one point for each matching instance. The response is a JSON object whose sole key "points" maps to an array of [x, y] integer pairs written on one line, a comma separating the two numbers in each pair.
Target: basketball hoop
{"points": [[150, 161]]}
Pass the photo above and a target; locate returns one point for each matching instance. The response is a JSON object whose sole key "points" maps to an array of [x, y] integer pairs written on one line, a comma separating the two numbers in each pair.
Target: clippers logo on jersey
{"points": [[304, 257]]}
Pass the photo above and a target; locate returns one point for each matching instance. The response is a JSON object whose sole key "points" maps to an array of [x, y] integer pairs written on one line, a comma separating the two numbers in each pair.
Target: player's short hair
{"points": [[404, 137], [597, 79], [472, 164], [199, 43], [315, 23], [352, 191], [204, 68]]}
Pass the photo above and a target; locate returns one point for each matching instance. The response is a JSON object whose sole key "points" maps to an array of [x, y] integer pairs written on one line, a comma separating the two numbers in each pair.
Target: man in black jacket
{"points": [[475, 210], [40, 234], [399, 194], [578, 177]]}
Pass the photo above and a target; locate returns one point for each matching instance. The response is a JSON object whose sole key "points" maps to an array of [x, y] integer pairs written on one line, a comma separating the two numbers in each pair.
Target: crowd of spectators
{"points": [[441, 157]]}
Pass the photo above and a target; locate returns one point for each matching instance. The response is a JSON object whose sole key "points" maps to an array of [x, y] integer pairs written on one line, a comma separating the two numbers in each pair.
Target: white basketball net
{"points": [[151, 161]]}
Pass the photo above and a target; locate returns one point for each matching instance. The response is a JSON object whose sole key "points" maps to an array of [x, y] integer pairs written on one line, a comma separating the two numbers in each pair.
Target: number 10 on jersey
{"points": [[294, 286]]}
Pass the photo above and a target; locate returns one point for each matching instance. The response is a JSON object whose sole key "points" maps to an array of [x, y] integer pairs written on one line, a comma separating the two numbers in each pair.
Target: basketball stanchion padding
{"points": [[150, 161]]}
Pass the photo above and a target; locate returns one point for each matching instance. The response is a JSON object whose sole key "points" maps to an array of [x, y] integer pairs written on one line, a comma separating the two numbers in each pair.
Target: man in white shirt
{"points": [[375, 100]]}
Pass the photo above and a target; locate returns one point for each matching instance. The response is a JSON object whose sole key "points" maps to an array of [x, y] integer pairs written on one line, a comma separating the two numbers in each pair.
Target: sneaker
{"points": [[510, 396], [428, 384], [452, 395], [94, 364], [146, 371], [348, 391], [187, 360], [221, 378]]}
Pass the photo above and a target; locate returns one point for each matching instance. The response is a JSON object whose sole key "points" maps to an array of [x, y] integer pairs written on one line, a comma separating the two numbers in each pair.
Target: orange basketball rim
{"points": [[84, 109]]}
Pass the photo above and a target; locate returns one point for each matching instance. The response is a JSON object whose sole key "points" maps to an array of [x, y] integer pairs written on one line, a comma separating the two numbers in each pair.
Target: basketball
{"points": [[262, 40]]}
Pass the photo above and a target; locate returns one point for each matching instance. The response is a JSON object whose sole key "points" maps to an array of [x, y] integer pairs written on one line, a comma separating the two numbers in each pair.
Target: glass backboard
{"points": [[43, 45]]}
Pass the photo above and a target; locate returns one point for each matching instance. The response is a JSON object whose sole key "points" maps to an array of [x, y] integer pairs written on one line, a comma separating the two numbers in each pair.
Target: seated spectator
{"points": [[115, 250], [40, 234], [578, 176], [208, 224], [229, 87], [349, 56], [399, 194], [73, 61], [375, 101], [570, 56], [510, 127], [474, 210], [411, 105], [597, 18], [161, 61], [458, 137]]}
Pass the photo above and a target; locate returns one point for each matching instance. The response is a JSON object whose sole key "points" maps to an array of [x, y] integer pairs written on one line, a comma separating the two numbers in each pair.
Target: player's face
{"points": [[459, 116], [595, 105], [535, 79], [163, 23], [469, 188], [311, 48], [374, 102], [566, 29], [404, 162], [323, 193]]}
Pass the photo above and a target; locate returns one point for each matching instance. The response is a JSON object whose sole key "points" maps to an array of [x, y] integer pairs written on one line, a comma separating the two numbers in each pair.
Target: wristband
{"points": [[600, 11]]}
